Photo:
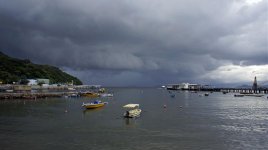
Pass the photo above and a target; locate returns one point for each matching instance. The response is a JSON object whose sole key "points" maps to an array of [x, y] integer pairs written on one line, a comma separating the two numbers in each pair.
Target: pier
{"points": [[255, 89], [9, 92], [5, 96], [228, 90], [236, 90]]}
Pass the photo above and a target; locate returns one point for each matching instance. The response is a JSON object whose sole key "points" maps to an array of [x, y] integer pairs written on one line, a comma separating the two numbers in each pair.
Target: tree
{"points": [[41, 83], [24, 81]]}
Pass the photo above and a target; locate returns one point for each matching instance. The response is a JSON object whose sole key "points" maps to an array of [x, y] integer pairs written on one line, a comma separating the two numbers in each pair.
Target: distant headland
{"points": [[13, 70]]}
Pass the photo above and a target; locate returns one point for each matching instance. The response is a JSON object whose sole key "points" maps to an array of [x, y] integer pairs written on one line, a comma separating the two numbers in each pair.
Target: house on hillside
{"points": [[43, 81], [32, 82], [38, 81]]}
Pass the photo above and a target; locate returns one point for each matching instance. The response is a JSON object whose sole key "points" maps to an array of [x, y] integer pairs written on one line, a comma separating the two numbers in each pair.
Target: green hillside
{"points": [[13, 70]]}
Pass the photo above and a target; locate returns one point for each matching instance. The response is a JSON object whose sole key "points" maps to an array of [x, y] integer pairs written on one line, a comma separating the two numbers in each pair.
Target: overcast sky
{"points": [[141, 42]]}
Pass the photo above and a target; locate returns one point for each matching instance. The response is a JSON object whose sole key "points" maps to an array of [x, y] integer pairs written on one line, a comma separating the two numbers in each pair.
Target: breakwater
{"points": [[5, 96]]}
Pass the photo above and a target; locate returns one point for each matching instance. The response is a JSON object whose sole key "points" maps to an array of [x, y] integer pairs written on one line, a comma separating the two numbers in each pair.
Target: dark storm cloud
{"points": [[135, 42]]}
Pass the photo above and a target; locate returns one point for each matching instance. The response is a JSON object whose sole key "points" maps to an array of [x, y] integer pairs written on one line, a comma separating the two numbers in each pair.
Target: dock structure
{"points": [[229, 90], [255, 89], [27, 95], [35, 91], [237, 90], [226, 90]]}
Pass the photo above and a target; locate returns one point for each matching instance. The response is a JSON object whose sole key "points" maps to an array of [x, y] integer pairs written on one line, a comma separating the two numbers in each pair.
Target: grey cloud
{"points": [[141, 42]]}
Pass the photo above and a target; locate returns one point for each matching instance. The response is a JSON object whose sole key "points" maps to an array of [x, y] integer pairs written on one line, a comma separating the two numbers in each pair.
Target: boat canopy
{"points": [[131, 106]]}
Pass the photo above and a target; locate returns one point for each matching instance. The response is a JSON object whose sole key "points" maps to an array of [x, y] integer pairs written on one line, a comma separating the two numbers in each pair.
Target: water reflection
{"points": [[92, 112], [183, 122], [88, 111], [131, 122]]}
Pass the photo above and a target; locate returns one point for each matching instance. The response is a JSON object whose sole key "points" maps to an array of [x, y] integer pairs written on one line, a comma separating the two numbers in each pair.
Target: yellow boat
{"points": [[96, 104], [90, 94]]}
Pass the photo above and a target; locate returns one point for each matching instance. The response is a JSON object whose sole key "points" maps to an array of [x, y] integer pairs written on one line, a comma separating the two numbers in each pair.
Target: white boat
{"points": [[71, 89], [106, 95], [132, 110]]}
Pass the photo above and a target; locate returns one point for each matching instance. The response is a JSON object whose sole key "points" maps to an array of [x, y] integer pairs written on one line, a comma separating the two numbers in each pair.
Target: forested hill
{"points": [[14, 70]]}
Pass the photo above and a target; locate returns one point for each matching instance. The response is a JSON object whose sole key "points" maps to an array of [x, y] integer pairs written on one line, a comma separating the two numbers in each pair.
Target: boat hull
{"points": [[132, 113], [91, 95], [92, 106]]}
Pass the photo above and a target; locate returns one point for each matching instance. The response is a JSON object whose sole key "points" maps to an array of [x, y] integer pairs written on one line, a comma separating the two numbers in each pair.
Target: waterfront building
{"points": [[194, 86], [38, 81], [32, 82], [22, 88], [184, 86], [43, 81]]}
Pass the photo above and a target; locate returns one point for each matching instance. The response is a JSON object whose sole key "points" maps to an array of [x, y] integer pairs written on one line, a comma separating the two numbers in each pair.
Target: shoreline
{"points": [[33, 96]]}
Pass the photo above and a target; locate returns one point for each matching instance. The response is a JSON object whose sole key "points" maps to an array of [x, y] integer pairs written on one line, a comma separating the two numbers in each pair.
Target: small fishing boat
{"points": [[205, 94], [95, 104], [172, 95], [102, 90], [90, 94], [239, 95], [106, 95], [71, 89], [254, 95], [224, 92], [132, 111]]}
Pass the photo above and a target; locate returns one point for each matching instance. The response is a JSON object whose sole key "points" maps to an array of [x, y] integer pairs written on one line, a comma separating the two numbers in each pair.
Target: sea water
{"points": [[185, 121]]}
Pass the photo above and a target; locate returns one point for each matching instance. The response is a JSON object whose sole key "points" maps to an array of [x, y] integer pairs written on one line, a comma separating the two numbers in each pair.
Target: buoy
{"points": [[66, 111]]}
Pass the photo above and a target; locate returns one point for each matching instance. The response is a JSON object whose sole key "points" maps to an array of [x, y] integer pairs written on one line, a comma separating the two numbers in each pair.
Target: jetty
{"points": [[248, 91], [243, 91], [228, 90], [35, 91], [5, 96]]}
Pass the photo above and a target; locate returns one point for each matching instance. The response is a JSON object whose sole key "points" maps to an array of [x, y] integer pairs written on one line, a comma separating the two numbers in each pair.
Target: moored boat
{"points": [[254, 95], [93, 105], [172, 95], [132, 111], [71, 89], [239, 95], [106, 95], [90, 94], [224, 92]]}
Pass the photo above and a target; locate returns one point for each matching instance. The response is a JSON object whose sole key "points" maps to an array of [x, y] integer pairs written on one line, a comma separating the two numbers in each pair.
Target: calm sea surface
{"points": [[219, 121]]}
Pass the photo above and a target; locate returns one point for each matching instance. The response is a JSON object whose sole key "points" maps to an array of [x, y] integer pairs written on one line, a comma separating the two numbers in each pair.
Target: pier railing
{"points": [[237, 90], [228, 90]]}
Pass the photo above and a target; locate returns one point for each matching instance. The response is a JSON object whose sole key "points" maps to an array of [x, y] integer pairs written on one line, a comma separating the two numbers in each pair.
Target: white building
{"points": [[184, 86], [32, 82], [43, 81]]}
